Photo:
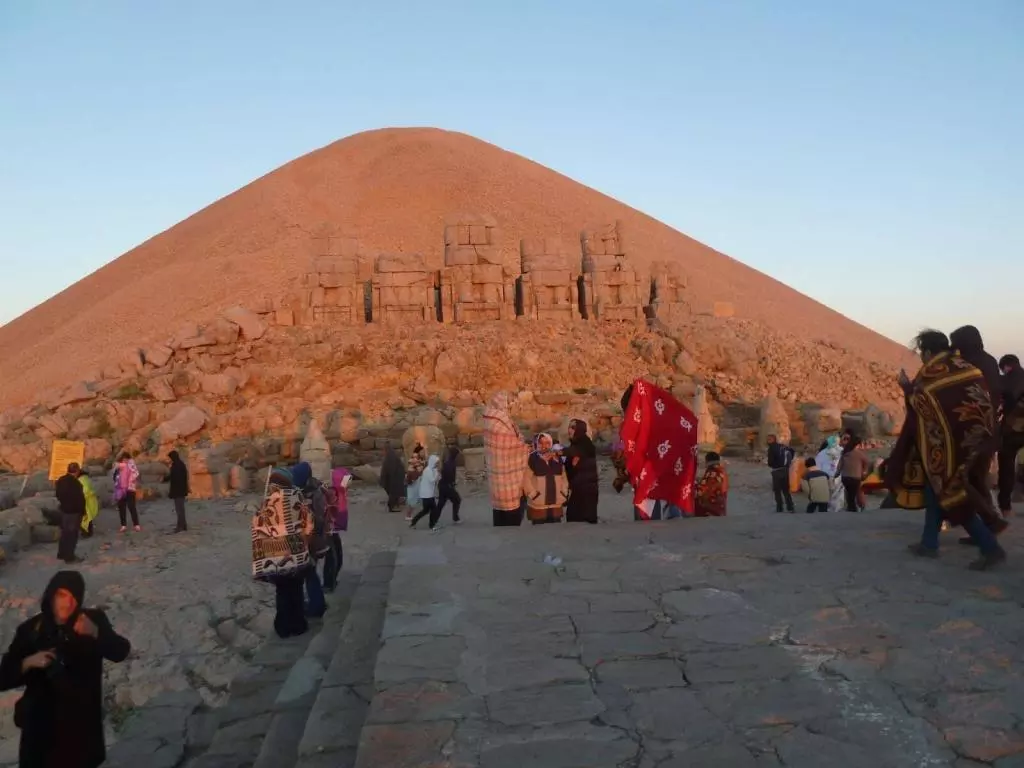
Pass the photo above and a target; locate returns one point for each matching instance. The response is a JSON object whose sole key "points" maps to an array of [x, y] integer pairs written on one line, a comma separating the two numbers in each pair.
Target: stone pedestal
{"points": [[668, 288], [476, 284], [549, 283], [613, 288], [404, 290]]}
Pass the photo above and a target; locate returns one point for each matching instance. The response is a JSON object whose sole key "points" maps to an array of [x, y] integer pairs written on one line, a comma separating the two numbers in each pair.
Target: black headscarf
{"points": [[581, 440]]}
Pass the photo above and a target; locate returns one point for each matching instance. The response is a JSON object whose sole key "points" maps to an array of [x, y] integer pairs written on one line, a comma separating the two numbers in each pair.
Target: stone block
{"points": [[477, 235], [451, 235], [493, 235], [455, 256], [531, 246], [401, 262], [489, 254], [487, 273]]}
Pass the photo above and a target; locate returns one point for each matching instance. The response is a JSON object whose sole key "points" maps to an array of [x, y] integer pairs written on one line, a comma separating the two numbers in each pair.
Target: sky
{"points": [[869, 153]]}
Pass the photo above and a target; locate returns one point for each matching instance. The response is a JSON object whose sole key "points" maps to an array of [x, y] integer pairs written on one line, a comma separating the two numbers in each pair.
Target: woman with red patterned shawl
{"points": [[713, 488], [659, 435], [506, 454]]}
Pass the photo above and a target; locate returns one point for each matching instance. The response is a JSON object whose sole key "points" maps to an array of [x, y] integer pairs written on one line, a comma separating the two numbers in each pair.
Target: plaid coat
{"points": [[506, 455]]}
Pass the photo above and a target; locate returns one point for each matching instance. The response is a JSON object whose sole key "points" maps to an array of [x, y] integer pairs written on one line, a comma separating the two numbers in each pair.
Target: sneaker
{"points": [[456, 522], [122, 529], [138, 529], [990, 560], [922, 551], [435, 530]]}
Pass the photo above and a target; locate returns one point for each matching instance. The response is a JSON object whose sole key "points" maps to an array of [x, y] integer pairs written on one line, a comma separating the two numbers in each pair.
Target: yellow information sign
{"points": [[65, 452]]}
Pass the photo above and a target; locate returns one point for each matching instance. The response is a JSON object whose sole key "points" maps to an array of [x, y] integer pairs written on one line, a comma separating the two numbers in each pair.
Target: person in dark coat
{"points": [[779, 458], [1011, 428], [71, 497], [581, 470], [57, 656], [447, 490], [178, 490]]}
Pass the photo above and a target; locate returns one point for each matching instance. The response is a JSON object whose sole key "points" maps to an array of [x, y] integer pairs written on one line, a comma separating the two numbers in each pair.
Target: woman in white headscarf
{"points": [[428, 486]]}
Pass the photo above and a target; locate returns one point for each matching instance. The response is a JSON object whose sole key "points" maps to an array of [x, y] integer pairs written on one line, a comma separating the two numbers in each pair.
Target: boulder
{"points": [[366, 473], [45, 534], [187, 421], [249, 323], [219, 384], [773, 421], [882, 422], [222, 331], [77, 393], [160, 389], [7, 500], [158, 356], [54, 423], [473, 459]]}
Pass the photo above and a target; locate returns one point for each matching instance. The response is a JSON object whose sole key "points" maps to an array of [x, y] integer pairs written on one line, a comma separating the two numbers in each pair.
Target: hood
{"points": [[581, 429], [72, 581], [433, 461], [301, 474]]}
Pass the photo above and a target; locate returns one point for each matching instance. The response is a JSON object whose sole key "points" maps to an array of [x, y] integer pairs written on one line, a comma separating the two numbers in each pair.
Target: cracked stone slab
{"points": [[607, 623], [621, 602], [638, 674], [410, 745], [424, 701], [434, 657], [675, 714], [510, 674], [544, 705], [623, 645], [590, 747], [687, 604]]}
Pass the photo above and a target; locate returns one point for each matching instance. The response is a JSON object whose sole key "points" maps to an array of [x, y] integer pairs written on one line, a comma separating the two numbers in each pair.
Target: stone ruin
{"points": [[612, 287], [404, 289], [549, 279], [549, 286], [475, 284]]}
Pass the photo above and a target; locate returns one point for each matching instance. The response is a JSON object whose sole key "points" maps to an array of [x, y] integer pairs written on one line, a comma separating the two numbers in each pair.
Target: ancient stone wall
{"points": [[668, 291], [404, 289], [549, 285], [614, 288], [475, 283]]}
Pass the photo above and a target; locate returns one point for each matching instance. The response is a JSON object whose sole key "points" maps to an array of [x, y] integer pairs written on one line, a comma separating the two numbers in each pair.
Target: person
{"points": [[57, 657], [413, 470], [447, 490], [966, 341], [948, 434], [828, 456], [92, 504], [1011, 434], [316, 509], [660, 438], [506, 455], [71, 498], [545, 484], [779, 458], [713, 488], [125, 488], [392, 479], [178, 489], [280, 532], [818, 486], [428, 482], [854, 466], [581, 471], [337, 521]]}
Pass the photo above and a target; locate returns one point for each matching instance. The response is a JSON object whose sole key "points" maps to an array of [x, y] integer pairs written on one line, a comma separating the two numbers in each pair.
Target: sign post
{"points": [[65, 452]]}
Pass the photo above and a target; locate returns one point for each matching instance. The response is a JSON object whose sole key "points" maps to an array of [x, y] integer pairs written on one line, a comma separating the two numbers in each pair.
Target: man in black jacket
{"points": [[71, 498], [1012, 427], [779, 458], [178, 490], [446, 489]]}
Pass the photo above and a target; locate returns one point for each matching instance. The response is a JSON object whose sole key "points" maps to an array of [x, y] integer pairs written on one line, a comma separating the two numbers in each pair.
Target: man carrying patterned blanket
{"points": [[949, 433]]}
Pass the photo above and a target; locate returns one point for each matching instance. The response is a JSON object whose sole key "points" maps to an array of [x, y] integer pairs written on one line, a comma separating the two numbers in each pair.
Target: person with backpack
{"points": [[337, 521], [779, 458]]}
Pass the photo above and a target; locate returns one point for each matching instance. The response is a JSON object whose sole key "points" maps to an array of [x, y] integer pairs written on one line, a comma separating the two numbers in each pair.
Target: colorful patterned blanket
{"points": [[281, 529]]}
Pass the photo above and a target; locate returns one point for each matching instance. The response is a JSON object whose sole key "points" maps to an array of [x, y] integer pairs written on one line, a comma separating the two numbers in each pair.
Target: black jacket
{"points": [[1013, 389], [449, 468], [779, 456], [178, 478], [70, 495], [61, 711], [581, 464], [989, 368]]}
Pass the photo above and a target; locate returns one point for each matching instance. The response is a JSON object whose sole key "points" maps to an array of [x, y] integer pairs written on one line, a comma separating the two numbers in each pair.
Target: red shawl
{"points": [[660, 446], [713, 492]]}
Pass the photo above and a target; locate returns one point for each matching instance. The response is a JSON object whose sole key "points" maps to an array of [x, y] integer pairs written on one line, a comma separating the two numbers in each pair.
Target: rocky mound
{"points": [[392, 189]]}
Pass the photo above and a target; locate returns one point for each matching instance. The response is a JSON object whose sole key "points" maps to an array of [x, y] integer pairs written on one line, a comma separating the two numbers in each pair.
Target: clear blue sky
{"points": [[869, 153]]}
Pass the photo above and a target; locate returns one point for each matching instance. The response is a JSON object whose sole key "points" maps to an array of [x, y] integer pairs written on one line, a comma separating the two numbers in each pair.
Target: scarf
{"points": [[949, 433], [713, 492], [660, 434], [505, 453]]}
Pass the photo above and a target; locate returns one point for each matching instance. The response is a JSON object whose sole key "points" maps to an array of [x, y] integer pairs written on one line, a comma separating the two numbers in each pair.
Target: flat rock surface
{"points": [[755, 640]]}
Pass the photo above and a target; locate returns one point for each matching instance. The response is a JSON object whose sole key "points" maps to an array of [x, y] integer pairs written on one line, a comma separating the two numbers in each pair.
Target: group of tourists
{"points": [[79, 504], [833, 478]]}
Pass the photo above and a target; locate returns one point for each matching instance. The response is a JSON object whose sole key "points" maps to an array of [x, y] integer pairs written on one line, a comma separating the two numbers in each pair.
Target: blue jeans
{"points": [[933, 515], [316, 603]]}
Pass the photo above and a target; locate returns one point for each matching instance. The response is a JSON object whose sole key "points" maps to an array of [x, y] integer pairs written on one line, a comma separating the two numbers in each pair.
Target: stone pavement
{"points": [[748, 642]]}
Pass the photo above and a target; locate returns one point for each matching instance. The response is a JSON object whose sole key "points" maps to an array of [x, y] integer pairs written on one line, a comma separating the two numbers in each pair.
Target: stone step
{"points": [[297, 695], [331, 735]]}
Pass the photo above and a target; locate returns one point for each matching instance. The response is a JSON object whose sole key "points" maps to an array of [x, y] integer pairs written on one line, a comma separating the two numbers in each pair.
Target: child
{"points": [[818, 486], [713, 489], [428, 488], [337, 521]]}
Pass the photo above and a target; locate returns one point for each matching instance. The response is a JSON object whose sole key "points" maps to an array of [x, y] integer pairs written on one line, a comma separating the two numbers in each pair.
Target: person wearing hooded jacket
{"points": [[57, 656], [581, 471], [178, 490]]}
